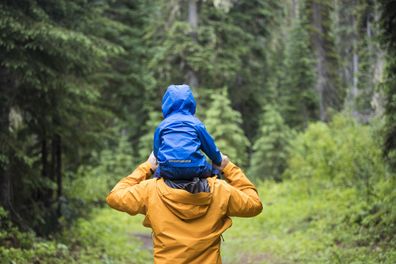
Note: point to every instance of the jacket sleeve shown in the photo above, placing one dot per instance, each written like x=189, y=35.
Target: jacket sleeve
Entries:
x=244, y=200
x=208, y=145
x=156, y=142
x=130, y=193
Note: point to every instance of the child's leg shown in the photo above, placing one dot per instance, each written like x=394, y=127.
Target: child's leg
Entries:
x=181, y=173
x=157, y=173
x=187, y=173
x=209, y=170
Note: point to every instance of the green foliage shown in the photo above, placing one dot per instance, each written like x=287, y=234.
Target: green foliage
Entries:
x=93, y=182
x=346, y=155
x=24, y=247
x=269, y=156
x=224, y=124
x=343, y=152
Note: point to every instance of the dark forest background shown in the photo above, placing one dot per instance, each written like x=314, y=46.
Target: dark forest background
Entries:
x=300, y=93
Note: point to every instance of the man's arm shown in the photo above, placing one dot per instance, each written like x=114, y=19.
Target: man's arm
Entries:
x=208, y=145
x=130, y=193
x=244, y=200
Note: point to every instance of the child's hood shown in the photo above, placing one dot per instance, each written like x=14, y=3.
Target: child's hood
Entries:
x=178, y=99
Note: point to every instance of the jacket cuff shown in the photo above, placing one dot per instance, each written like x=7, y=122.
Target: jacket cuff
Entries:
x=146, y=167
x=227, y=169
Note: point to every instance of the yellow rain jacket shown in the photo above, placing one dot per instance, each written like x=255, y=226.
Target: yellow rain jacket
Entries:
x=186, y=226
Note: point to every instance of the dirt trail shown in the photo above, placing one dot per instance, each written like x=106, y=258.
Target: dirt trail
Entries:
x=146, y=239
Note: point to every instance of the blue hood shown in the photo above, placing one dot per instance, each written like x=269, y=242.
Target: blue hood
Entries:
x=178, y=99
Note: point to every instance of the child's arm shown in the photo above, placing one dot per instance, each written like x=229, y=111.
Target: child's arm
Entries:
x=208, y=145
x=156, y=141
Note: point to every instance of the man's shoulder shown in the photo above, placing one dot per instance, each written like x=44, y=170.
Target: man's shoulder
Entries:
x=219, y=185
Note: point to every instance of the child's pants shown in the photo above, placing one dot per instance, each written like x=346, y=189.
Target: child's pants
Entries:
x=185, y=173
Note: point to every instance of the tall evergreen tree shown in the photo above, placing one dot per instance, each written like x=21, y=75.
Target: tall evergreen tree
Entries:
x=224, y=124
x=360, y=57
x=270, y=149
x=46, y=60
x=127, y=83
x=301, y=103
x=388, y=9
x=330, y=92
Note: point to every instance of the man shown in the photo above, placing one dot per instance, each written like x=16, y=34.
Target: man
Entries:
x=187, y=217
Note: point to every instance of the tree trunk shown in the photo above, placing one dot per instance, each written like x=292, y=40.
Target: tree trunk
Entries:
x=355, y=68
x=193, y=15
x=58, y=169
x=193, y=22
x=57, y=152
x=318, y=45
x=294, y=9
x=44, y=157
x=46, y=194
x=5, y=177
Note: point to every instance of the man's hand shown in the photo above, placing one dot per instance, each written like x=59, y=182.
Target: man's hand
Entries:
x=153, y=161
x=224, y=161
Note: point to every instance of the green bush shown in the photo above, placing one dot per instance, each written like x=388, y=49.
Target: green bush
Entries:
x=25, y=247
x=93, y=182
x=342, y=152
x=345, y=155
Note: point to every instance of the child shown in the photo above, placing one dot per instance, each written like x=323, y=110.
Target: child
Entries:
x=180, y=136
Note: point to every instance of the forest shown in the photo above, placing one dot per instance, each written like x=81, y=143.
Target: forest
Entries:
x=301, y=94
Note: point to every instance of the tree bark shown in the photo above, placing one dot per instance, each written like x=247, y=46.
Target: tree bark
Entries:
x=44, y=157
x=5, y=177
x=193, y=22
x=58, y=169
x=320, y=56
x=294, y=9
x=193, y=15
x=355, y=68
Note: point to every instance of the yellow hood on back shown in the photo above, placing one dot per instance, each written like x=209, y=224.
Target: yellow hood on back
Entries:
x=185, y=205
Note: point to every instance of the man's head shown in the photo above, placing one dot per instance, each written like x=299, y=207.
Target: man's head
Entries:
x=178, y=99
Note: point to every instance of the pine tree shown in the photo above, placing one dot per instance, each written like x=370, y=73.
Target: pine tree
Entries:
x=46, y=59
x=389, y=41
x=330, y=93
x=301, y=103
x=224, y=124
x=270, y=149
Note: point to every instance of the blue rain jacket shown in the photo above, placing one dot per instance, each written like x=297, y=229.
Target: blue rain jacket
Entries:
x=179, y=138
